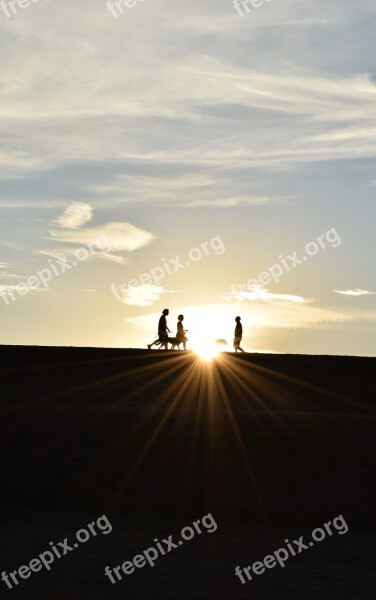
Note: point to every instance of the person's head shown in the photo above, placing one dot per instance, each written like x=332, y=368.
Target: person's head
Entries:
x=181, y=318
x=237, y=319
x=165, y=312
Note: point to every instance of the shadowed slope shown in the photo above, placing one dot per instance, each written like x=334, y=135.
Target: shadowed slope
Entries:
x=260, y=437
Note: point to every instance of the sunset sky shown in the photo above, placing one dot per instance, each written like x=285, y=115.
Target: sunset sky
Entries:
x=178, y=124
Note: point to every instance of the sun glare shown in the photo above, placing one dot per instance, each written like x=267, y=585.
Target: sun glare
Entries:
x=207, y=351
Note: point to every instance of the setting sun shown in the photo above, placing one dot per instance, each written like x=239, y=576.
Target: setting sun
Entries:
x=207, y=350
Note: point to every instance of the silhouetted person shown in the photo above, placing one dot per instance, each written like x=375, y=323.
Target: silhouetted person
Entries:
x=238, y=335
x=180, y=338
x=163, y=331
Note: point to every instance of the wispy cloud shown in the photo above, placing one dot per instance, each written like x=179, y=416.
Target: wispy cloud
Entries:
x=356, y=292
x=6, y=273
x=258, y=293
x=74, y=216
x=280, y=111
x=231, y=202
x=142, y=295
x=6, y=290
x=122, y=237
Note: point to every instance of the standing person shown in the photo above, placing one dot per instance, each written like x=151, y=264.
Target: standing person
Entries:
x=163, y=331
x=238, y=335
x=180, y=335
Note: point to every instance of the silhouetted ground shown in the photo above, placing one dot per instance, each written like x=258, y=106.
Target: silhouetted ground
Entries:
x=272, y=446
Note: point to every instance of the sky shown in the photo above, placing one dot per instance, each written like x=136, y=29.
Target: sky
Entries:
x=181, y=132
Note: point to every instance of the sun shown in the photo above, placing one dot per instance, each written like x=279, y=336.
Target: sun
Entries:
x=204, y=327
x=207, y=351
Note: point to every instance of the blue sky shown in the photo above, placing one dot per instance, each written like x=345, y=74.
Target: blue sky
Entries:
x=171, y=125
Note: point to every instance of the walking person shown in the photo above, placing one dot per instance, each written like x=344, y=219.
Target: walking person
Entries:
x=163, y=331
x=238, y=335
x=180, y=338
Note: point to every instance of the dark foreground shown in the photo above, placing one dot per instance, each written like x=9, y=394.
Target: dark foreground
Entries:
x=271, y=446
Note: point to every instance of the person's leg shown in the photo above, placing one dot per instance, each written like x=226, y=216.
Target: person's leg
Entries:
x=155, y=343
x=159, y=342
x=164, y=343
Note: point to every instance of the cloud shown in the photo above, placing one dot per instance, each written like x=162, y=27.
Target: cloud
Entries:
x=122, y=237
x=287, y=107
x=68, y=252
x=142, y=295
x=258, y=293
x=356, y=292
x=74, y=216
x=8, y=292
x=230, y=202
x=5, y=273
x=107, y=240
x=194, y=190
